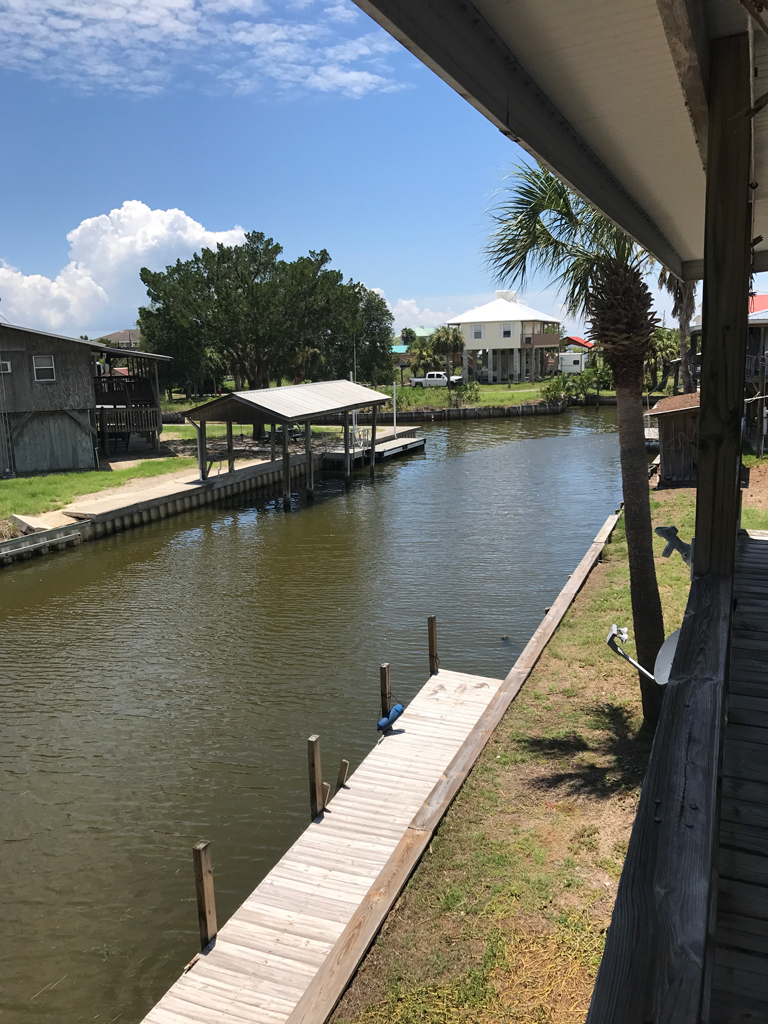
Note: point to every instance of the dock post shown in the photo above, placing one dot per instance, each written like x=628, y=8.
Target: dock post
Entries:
x=347, y=470
x=202, y=451
x=341, y=781
x=206, y=900
x=316, y=802
x=286, y=469
x=386, y=695
x=434, y=661
x=310, y=465
x=272, y=431
x=230, y=448
x=373, y=439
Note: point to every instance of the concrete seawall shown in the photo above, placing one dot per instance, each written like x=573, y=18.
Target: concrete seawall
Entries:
x=148, y=508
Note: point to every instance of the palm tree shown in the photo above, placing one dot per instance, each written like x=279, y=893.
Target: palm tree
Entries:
x=683, y=308
x=445, y=341
x=542, y=226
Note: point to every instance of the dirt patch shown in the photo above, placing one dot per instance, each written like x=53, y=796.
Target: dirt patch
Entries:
x=505, y=917
x=756, y=495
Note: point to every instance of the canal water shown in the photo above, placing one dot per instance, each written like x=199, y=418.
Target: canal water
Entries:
x=158, y=687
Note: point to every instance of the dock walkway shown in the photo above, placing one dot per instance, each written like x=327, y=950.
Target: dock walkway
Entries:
x=740, y=977
x=265, y=957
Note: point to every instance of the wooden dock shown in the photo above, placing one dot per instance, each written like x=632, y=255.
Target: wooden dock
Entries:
x=740, y=976
x=288, y=953
x=265, y=957
x=387, y=447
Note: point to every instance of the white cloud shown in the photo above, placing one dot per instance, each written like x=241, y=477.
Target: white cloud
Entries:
x=99, y=290
x=149, y=45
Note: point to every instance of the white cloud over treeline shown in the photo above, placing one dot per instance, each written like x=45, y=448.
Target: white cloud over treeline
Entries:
x=240, y=46
x=99, y=289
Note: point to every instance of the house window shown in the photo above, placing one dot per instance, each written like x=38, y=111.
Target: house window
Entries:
x=527, y=341
x=44, y=370
x=5, y=366
x=478, y=332
x=506, y=330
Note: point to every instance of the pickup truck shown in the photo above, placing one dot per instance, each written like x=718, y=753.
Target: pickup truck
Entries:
x=434, y=379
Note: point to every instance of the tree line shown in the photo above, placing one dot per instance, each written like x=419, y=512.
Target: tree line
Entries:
x=244, y=312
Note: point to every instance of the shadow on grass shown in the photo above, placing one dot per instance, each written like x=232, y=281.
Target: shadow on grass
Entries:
x=620, y=752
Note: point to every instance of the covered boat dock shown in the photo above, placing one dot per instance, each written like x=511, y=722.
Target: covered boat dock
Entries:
x=288, y=406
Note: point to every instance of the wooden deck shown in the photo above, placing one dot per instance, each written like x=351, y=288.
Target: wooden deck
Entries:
x=266, y=955
x=740, y=976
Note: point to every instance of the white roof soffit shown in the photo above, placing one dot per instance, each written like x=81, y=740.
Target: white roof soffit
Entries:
x=611, y=96
x=295, y=401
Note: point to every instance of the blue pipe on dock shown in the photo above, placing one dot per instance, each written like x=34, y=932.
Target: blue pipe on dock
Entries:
x=387, y=723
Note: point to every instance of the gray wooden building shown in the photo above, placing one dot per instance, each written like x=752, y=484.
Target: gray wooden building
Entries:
x=62, y=399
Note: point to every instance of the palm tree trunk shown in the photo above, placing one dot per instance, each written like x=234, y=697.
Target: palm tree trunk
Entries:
x=644, y=590
x=685, y=330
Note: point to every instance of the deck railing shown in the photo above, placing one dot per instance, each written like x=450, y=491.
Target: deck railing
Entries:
x=139, y=420
x=657, y=961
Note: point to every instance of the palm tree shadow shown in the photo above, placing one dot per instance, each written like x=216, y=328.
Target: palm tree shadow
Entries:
x=622, y=755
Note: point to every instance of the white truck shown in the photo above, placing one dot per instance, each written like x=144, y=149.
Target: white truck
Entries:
x=434, y=379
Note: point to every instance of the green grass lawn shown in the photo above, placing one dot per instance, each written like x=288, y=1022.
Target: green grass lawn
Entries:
x=32, y=495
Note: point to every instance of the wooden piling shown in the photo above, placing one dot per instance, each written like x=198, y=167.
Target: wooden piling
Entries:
x=341, y=781
x=230, y=448
x=316, y=801
x=206, y=900
x=432, y=634
x=286, y=469
x=310, y=467
x=272, y=432
x=202, y=450
x=386, y=696
x=373, y=439
x=347, y=467
x=326, y=794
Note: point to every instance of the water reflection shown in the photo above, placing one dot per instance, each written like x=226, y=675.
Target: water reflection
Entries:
x=158, y=686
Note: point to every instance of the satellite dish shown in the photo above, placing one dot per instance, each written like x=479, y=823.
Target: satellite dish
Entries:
x=665, y=657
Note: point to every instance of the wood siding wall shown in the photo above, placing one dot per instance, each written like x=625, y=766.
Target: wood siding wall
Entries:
x=678, y=447
x=50, y=422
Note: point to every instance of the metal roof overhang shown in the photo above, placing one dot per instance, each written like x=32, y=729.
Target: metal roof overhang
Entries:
x=292, y=404
x=612, y=97
x=110, y=350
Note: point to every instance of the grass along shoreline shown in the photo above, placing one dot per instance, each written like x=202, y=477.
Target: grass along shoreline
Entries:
x=505, y=917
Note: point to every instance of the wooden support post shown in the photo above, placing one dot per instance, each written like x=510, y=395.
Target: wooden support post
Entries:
x=386, y=694
x=432, y=633
x=286, y=469
x=347, y=469
x=310, y=465
x=326, y=794
x=272, y=432
x=206, y=900
x=103, y=433
x=230, y=448
x=725, y=306
x=315, y=777
x=341, y=781
x=761, y=400
x=373, y=439
x=202, y=451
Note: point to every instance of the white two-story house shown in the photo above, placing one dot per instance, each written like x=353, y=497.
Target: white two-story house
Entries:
x=505, y=340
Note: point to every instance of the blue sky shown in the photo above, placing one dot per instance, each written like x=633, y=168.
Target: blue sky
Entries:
x=136, y=133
